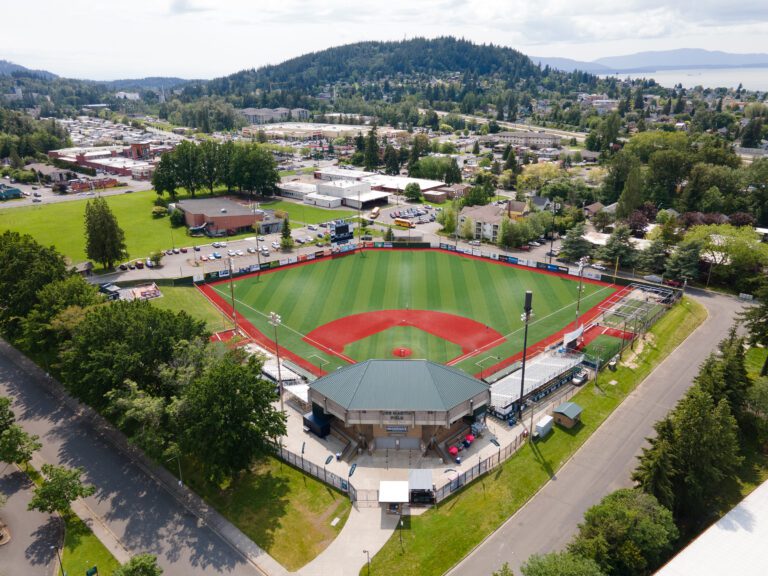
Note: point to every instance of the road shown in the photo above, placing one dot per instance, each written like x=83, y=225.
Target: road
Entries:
x=604, y=464
x=48, y=196
x=34, y=535
x=129, y=503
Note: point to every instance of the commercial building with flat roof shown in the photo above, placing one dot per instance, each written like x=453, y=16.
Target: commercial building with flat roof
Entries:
x=219, y=216
x=405, y=404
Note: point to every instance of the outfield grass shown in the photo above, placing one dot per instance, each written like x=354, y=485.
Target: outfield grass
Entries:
x=420, y=343
x=189, y=299
x=283, y=510
x=303, y=213
x=488, y=292
x=436, y=540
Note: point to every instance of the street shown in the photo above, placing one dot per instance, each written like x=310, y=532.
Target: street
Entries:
x=604, y=464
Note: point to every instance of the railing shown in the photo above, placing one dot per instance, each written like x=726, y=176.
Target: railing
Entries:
x=312, y=469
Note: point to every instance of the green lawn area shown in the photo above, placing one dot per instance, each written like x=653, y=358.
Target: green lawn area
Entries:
x=422, y=345
x=488, y=292
x=302, y=213
x=82, y=550
x=437, y=539
x=755, y=359
x=604, y=346
x=283, y=510
x=189, y=299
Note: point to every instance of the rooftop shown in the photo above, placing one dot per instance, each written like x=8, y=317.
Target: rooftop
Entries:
x=214, y=207
x=409, y=385
x=569, y=409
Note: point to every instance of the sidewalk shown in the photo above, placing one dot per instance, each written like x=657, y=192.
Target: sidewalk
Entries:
x=366, y=529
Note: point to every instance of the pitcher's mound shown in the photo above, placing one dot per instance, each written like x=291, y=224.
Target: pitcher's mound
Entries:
x=401, y=352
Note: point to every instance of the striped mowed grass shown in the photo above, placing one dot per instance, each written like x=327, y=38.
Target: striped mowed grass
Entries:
x=491, y=293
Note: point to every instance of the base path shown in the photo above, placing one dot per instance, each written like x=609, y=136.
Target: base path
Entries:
x=605, y=462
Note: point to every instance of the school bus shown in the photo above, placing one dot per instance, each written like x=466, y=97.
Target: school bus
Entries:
x=404, y=223
x=375, y=213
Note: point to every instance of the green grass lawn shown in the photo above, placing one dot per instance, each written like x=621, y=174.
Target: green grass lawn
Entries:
x=755, y=359
x=302, y=213
x=189, y=299
x=82, y=550
x=422, y=345
x=283, y=510
x=439, y=538
x=491, y=293
x=604, y=346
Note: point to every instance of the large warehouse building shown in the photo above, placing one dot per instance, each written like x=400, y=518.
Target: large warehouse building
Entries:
x=399, y=404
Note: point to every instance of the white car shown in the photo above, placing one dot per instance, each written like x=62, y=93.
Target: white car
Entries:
x=312, y=227
x=599, y=267
x=231, y=253
x=260, y=238
x=239, y=252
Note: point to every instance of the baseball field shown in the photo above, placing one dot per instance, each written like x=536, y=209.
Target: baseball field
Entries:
x=445, y=307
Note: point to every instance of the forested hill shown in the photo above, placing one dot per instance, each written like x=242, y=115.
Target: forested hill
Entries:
x=372, y=61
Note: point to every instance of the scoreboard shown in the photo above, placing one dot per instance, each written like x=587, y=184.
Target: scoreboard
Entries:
x=341, y=232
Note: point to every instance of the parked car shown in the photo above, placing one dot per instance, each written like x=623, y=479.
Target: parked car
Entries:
x=474, y=242
x=239, y=252
x=197, y=248
x=123, y=266
x=598, y=267
x=204, y=258
x=216, y=245
x=184, y=250
x=149, y=263
x=176, y=250
x=311, y=227
x=37, y=199
x=260, y=239
x=580, y=377
x=231, y=253
x=216, y=255
x=673, y=283
x=533, y=243
x=139, y=264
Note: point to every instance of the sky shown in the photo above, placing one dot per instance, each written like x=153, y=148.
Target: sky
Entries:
x=208, y=38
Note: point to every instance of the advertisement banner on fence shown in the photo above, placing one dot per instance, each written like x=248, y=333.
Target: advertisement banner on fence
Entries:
x=283, y=262
x=266, y=265
x=327, y=252
x=274, y=264
x=254, y=268
x=515, y=260
x=450, y=247
x=573, y=271
x=310, y=256
x=223, y=273
x=378, y=244
x=542, y=265
x=198, y=277
x=245, y=270
x=475, y=252
x=592, y=274
x=292, y=260
x=302, y=257
x=494, y=256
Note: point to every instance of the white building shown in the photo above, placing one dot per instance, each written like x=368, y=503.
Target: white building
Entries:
x=296, y=190
x=529, y=139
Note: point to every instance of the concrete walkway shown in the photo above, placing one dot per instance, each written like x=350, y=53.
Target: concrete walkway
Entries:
x=366, y=529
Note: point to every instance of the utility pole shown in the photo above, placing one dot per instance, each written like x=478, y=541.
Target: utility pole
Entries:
x=525, y=317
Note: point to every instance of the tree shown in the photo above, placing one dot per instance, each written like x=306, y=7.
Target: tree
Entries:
x=602, y=220
x=637, y=222
x=724, y=377
x=618, y=171
x=371, y=161
x=468, y=229
x=654, y=258
x=412, y=192
x=684, y=261
x=27, y=268
x=755, y=320
x=17, y=446
x=209, y=164
x=187, y=163
x=139, y=415
x=391, y=161
x=7, y=417
x=389, y=234
x=141, y=565
x=125, y=340
x=560, y=564
x=476, y=147
x=655, y=468
x=505, y=570
x=60, y=487
x=453, y=173
x=104, y=239
x=632, y=196
x=226, y=165
x=226, y=418
x=752, y=135
x=286, y=240
x=627, y=533
x=164, y=178
x=619, y=246
x=574, y=245
x=758, y=406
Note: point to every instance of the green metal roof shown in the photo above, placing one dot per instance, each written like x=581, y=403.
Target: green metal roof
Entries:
x=570, y=410
x=404, y=385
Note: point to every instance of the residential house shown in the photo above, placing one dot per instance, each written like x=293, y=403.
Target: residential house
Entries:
x=487, y=219
x=593, y=209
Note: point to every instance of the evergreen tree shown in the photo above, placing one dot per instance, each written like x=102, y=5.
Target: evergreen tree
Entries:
x=632, y=196
x=684, y=262
x=391, y=161
x=755, y=319
x=510, y=162
x=619, y=246
x=209, y=164
x=655, y=468
x=371, y=161
x=104, y=239
x=453, y=173
x=654, y=258
x=476, y=147
x=574, y=245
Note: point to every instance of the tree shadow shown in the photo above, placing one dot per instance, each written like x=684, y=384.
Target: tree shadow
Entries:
x=540, y=457
x=46, y=539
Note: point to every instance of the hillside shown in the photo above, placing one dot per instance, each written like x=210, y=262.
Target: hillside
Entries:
x=682, y=58
x=371, y=61
x=8, y=68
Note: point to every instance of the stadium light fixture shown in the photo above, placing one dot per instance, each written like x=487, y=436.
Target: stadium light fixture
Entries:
x=276, y=320
x=526, y=317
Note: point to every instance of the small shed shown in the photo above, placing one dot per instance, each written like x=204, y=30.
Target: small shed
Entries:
x=420, y=486
x=568, y=414
x=543, y=426
x=394, y=494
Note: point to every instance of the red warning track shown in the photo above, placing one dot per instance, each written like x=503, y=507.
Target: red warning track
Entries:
x=466, y=333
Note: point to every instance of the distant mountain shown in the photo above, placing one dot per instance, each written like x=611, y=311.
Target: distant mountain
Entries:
x=151, y=83
x=9, y=68
x=568, y=65
x=370, y=61
x=682, y=58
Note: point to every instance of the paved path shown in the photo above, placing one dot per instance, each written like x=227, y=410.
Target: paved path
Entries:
x=548, y=521
x=33, y=534
x=137, y=506
x=366, y=529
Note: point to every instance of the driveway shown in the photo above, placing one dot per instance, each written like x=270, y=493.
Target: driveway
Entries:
x=605, y=462
x=132, y=505
x=33, y=534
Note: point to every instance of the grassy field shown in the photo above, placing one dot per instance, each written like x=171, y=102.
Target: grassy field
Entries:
x=82, y=550
x=189, y=299
x=491, y=293
x=303, y=213
x=284, y=511
x=62, y=224
x=604, y=346
x=437, y=539
x=420, y=343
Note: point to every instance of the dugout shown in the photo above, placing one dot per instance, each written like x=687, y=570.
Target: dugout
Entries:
x=399, y=404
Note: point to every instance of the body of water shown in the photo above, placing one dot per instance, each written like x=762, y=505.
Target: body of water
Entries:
x=750, y=78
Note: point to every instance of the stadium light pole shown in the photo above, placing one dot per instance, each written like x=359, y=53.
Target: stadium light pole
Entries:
x=525, y=317
x=582, y=263
x=276, y=320
x=552, y=232
x=232, y=294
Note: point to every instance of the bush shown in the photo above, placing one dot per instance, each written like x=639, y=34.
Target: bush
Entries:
x=177, y=218
x=159, y=212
